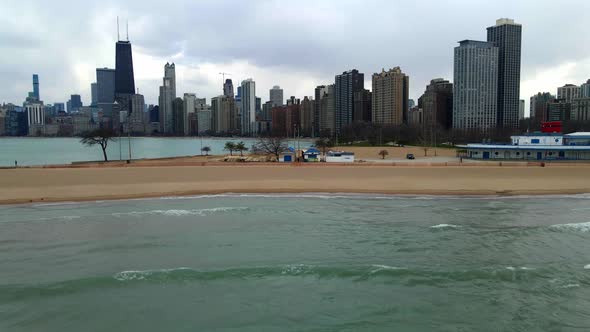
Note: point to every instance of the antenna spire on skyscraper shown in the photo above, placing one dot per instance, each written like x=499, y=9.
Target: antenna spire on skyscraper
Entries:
x=127, y=25
x=118, y=35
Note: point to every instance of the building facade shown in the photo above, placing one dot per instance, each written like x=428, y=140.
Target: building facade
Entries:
x=568, y=92
x=346, y=86
x=166, y=100
x=177, y=117
x=276, y=96
x=307, y=117
x=559, y=110
x=507, y=36
x=585, y=90
x=475, y=90
x=538, y=105
x=581, y=109
x=436, y=104
x=327, y=115
x=190, y=100
x=124, y=77
x=363, y=101
x=36, y=87
x=248, y=109
x=228, y=88
x=390, y=97
x=521, y=110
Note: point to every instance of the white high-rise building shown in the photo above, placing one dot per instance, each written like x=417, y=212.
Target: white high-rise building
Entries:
x=35, y=114
x=475, y=90
x=569, y=92
x=189, y=109
x=248, y=107
x=276, y=96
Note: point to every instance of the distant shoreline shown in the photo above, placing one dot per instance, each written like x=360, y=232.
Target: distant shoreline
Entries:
x=52, y=185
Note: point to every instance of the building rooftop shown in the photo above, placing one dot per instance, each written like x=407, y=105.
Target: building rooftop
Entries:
x=478, y=43
x=578, y=134
x=504, y=21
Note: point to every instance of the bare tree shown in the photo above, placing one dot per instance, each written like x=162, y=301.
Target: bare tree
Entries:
x=100, y=137
x=383, y=153
x=271, y=145
x=324, y=144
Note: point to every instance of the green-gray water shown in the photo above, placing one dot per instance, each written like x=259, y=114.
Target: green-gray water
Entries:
x=297, y=263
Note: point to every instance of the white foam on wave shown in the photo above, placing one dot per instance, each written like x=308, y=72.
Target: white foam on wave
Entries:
x=579, y=227
x=143, y=275
x=181, y=213
x=444, y=226
x=521, y=268
x=587, y=267
x=381, y=267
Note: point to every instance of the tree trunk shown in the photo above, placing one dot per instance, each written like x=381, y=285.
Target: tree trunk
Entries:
x=104, y=152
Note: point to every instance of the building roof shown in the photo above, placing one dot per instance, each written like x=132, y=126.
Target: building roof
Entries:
x=578, y=134
x=525, y=147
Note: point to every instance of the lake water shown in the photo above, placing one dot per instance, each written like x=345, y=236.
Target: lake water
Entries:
x=297, y=263
x=48, y=151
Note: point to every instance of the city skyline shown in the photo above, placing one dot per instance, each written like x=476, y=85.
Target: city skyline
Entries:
x=425, y=56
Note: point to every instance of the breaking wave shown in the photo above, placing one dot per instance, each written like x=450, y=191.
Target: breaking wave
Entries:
x=576, y=227
x=182, y=275
x=181, y=213
x=445, y=226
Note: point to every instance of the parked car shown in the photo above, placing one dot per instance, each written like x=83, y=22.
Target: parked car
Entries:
x=410, y=156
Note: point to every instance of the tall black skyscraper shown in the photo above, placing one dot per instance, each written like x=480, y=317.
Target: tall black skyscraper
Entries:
x=124, y=79
x=347, y=85
x=507, y=36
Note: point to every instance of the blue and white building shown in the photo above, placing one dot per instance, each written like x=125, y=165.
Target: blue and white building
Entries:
x=542, y=147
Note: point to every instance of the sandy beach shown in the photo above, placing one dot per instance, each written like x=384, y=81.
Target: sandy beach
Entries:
x=104, y=183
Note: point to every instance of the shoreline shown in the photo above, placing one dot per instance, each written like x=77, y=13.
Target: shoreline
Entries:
x=285, y=193
x=54, y=185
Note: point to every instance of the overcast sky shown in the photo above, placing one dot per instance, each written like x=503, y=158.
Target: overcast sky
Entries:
x=295, y=44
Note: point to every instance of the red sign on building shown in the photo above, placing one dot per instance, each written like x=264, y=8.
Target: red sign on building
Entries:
x=551, y=127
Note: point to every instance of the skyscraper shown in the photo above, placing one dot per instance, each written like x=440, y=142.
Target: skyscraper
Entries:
x=507, y=36
x=36, y=86
x=105, y=90
x=248, y=107
x=170, y=72
x=307, y=108
x=166, y=99
x=475, y=92
x=347, y=84
x=276, y=96
x=327, y=110
x=190, y=100
x=124, y=78
x=177, y=117
x=390, y=97
x=437, y=104
x=228, y=88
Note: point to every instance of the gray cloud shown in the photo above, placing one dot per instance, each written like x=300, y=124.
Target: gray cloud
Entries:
x=286, y=42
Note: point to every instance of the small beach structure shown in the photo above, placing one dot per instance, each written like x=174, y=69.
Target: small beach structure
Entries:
x=536, y=146
x=311, y=155
x=339, y=157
